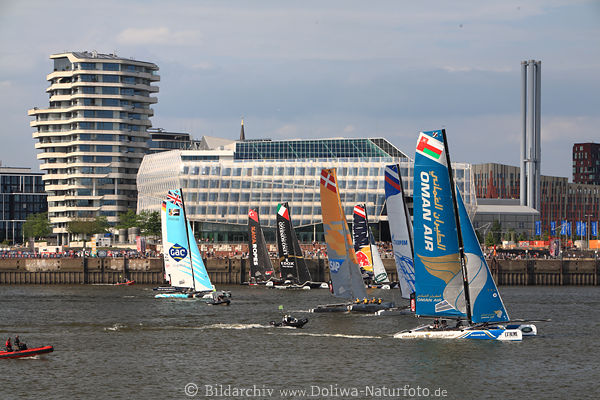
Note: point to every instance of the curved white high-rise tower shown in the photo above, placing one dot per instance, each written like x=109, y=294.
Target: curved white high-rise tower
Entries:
x=93, y=136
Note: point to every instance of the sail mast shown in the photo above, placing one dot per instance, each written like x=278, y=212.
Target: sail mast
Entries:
x=187, y=235
x=461, y=248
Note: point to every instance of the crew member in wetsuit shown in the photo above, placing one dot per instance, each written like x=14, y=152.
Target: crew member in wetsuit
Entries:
x=17, y=343
x=8, y=345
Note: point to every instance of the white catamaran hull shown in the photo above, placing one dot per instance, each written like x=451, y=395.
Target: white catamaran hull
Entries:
x=481, y=334
x=526, y=329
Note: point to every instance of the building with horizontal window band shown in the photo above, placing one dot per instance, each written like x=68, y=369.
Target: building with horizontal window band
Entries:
x=93, y=135
x=223, y=181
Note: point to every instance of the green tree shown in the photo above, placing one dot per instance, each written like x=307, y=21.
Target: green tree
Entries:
x=545, y=236
x=489, y=239
x=512, y=234
x=495, y=230
x=480, y=238
x=37, y=226
x=87, y=227
x=128, y=220
x=150, y=224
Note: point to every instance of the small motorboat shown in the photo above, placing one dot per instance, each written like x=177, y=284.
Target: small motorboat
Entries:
x=219, y=298
x=290, y=321
x=27, y=352
x=126, y=283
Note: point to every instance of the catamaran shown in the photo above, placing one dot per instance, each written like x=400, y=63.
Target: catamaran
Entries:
x=453, y=281
x=261, y=268
x=366, y=250
x=184, y=269
x=346, y=280
x=292, y=267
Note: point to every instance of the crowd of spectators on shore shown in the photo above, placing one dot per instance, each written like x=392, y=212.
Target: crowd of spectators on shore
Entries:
x=311, y=250
x=78, y=254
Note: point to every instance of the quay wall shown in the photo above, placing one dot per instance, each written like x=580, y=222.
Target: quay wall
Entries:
x=532, y=272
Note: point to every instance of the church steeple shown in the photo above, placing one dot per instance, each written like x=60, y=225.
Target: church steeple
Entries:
x=242, y=135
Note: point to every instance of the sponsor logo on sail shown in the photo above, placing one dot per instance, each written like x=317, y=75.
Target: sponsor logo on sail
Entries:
x=254, y=245
x=178, y=252
x=334, y=265
x=174, y=212
x=426, y=208
x=283, y=238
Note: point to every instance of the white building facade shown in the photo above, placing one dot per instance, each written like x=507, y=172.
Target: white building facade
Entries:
x=92, y=137
x=222, y=183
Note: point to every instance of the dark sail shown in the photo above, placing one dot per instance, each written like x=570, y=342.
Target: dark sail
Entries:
x=360, y=227
x=362, y=239
x=291, y=260
x=261, y=268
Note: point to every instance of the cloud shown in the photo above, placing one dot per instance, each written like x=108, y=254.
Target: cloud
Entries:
x=158, y=35
x=569, y=129
x=287, y=131
x=348, y=129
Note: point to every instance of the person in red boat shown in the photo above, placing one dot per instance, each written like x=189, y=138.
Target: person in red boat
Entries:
x=8, y=345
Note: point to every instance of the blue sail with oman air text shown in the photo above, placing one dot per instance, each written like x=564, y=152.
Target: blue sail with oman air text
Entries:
x=438, y=276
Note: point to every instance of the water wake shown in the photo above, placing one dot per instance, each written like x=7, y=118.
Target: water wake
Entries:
x=339, y=335
x=234, y=326
x=115, y=327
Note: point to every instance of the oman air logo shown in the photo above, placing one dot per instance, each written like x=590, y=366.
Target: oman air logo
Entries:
x=177, y=252
x=334, y=265
x=429, y=147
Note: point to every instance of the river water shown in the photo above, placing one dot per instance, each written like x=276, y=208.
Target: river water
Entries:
x=114, y=342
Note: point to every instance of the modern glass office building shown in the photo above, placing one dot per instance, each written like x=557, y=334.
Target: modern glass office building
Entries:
x=22, y=193
x=162, y=140
x=220, y=184
x=93, y=135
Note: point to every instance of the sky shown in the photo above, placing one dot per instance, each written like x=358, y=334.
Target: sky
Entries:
x=317, y=69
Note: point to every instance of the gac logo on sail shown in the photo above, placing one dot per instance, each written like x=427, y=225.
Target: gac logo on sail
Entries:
x=177, y=252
